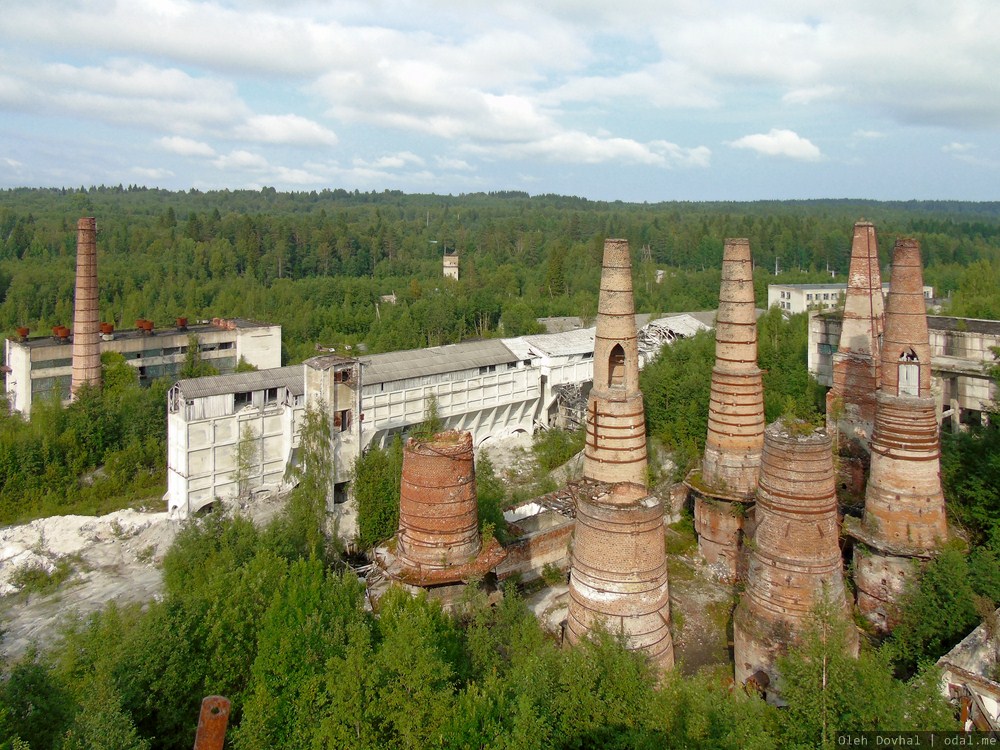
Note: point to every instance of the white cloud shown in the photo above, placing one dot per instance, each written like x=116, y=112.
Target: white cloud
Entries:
x=295, y=176
x=575, y=147
x=666, y=84
x=451, y=164
x=288, y=129
x=564, y=81
x=957, y=148
x=185, y=146
x=391, y=161
x=968, y=153
x=778, y=142
x=151, y=173
x=12, y=163
x=811, y=94
x=124, y=92
x=241, y=160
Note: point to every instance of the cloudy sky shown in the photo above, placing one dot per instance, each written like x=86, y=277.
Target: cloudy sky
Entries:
x=638, y=100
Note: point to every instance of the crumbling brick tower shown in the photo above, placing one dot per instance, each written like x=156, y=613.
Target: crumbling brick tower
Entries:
x=795, y=557
x=850, y=403
x=904, y=518
x=735, y=418
x=438, y=507
x=86, y=311
x=615, y=448
x=618, y=578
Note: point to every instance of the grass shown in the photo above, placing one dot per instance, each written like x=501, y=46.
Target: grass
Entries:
x=95, y=500
x=680, y=536
x=678, y=570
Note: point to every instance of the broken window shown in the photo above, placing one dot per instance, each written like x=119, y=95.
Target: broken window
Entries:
x=342, y=420
x=909, y=374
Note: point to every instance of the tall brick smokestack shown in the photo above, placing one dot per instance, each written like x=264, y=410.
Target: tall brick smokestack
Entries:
x=795, y=559
x=735, y=436
x=438, y=507
x=856, y=366
x=615, y=449
x=86, y=312
x=618, y=575
x=736, y=409
x=904, y=517
x=619, y=571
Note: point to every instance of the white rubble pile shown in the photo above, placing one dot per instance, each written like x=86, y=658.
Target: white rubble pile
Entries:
x=123, y=537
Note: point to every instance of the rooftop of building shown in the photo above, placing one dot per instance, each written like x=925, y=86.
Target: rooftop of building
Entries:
x=940, y=323
x=970, y=325
x=836, y=285
x=291, y=377
x=435, y=360
x=125, y=334
x=576, y=341
x=572, y=323
x=976, y=655
x=329, y=361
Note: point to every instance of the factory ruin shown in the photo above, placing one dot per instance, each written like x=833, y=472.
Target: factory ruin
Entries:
x=765, y=498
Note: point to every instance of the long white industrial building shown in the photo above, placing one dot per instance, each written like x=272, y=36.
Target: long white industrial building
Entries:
x=239, y=434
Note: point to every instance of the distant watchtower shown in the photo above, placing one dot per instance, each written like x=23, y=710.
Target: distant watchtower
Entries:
x=451, y=263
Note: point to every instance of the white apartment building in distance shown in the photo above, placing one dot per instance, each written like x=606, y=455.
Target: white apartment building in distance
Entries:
x=798, y=298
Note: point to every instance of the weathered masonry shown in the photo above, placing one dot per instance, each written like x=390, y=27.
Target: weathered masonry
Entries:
x=618, y=576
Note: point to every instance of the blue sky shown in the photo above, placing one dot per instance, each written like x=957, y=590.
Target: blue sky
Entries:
x=642, y=100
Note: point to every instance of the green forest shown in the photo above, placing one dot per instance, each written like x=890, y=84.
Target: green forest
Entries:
x=273, y=618
x=317, y=263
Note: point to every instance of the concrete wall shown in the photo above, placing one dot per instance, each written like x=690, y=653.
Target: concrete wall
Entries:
x=202, y=443
x=960, y=349
x=490, y=404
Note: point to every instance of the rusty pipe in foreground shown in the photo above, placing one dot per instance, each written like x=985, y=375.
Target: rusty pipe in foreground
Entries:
x=212, y=723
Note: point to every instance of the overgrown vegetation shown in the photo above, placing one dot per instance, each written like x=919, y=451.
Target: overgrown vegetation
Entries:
x=261, y=616
x=677, y=385
x=104, y=451
x=317, y=263
x=377, y=474
x=270, y=618
x=554, y=447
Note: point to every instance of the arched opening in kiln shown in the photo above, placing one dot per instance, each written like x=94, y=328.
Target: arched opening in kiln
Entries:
x=616, y=366
x=909, y=374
